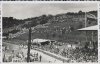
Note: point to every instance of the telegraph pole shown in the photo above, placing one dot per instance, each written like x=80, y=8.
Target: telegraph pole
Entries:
x=85, y=19
x=29, y=45
x=86, y=24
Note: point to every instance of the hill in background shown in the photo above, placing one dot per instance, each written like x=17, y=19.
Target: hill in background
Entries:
x=61, y=27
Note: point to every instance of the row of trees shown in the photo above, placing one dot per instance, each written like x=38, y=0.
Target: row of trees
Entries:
x=69, y=23
x=10, y=21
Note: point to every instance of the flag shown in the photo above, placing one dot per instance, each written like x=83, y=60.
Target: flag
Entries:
x=91, y=16
x=90, y=19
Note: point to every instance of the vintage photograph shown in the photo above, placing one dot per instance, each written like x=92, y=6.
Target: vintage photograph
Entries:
x=50, y=32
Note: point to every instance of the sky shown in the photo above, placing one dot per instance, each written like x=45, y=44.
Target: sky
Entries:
x=26, y=10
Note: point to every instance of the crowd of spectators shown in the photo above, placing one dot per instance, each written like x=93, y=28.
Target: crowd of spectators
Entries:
x=75, y=54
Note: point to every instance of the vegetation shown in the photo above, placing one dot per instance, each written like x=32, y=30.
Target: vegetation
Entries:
x=61, y=27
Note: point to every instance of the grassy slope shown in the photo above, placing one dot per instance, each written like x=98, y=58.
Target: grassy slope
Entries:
x=51, y=29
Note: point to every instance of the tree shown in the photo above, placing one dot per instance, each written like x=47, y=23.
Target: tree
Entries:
x=80, y=25
x=53, y=35
x=63, y=31
x=86, y=45
x=43, y=19
x=80, y=12
x=71, y=28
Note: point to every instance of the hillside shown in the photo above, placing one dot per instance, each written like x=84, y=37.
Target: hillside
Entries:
x=61, y=27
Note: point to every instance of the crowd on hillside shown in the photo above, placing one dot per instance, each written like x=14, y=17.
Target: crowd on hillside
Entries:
x=74, y=53
x=19, y=55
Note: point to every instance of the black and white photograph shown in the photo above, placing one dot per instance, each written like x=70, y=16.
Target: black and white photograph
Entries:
x=50, y=32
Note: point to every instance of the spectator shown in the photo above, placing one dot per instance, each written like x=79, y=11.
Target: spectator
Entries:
x=40, y=58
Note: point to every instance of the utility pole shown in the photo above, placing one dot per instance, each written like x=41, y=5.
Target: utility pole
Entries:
x=86, y=24
x=29, y=45
x=85, y=19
